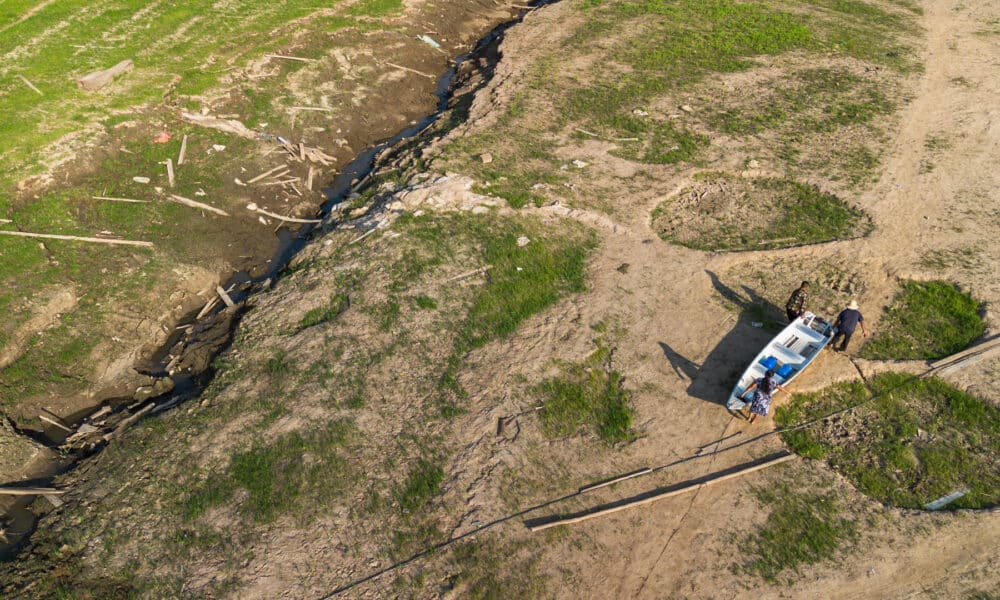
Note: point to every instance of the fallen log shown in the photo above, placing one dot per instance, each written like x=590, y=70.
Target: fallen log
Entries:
x=74, y=238
x=193, y=204
x=99, y=79
x=675, y=492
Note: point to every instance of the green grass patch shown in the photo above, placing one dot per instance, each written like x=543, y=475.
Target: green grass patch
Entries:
x=329, y=312
x=425, y=302
x=723, y=212
x=915, y=440
x=277, y=478
x=489, y=570
x=422, y=484
x=587, y=396
x=926, y=320
x=801, y=529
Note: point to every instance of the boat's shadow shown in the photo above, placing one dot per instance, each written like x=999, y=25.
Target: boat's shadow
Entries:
x=714, y=377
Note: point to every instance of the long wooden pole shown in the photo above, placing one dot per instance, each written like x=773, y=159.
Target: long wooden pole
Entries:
x=28, y=491
x=689, y=488
x=74, y=238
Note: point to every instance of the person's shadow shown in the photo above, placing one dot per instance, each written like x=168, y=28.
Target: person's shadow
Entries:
x=714, y=378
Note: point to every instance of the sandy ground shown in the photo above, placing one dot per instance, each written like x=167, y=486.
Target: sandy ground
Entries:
x=685, y=345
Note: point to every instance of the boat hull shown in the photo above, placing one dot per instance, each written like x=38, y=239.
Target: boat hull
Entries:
x=789, y=353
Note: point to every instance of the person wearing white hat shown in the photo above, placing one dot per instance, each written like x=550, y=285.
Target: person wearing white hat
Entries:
x=846, y=322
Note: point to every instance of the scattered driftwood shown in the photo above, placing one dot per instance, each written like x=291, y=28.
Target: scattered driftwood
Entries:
x=469, y=274
x=409, y=70
x=170, y=172
x=363, y=236
x=74, y=238
x=309, y=180
x=286, y=57
x=99, y=79
x=225, y=297
x=314, y=108
x=54, y=500
x=675, y=492
x=184, y=147
x=194, y=204
x=31, y=85
x=111, y=199
x=125, y=424
x=28, y=491
x=227, y=125
x=55, y=423
x=266, y=173
x=6, y=221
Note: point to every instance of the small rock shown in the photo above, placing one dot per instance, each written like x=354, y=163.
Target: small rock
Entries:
x=623, y=268
x=640, y=113
x=523, y=241
x=141, y=179
x=753, y=164
x=218, y=147
x=579, y=164
x=687, y=108
x=486, y=157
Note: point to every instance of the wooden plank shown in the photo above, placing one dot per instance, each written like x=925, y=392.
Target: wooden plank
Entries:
x=469, y=274
x=99, y=79
x=984, y=345
x=29, y=84
x=112, y=199
x=28, y=491
x=597, y=486
x=309, y=180
x=225, y=297
x=75, y=238
x=201, y=205
x=313, y=108
x=254, y=208
x=969, y=360
x=266, y=173
x=409, y=70
x=286, y=57
x=651, y=499
x=170, y=172
x=180, y=155
x=55, y=423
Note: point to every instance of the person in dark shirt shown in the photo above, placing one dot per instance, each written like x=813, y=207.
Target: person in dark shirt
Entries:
x=847, y=321
x=796, y=304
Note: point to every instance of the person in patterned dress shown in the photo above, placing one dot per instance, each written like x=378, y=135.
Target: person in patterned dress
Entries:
x=762, y=389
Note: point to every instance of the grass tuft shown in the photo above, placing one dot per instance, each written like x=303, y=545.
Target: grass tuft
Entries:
x=802, y=529
x=926, y=320
x=588, y=395
x=914, y=441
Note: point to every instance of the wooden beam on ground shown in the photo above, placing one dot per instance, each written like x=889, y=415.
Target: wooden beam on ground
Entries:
x=309, y=180
x=111, y=199
x=314, y=108
x=201, y=205
x=266, y=173
x=469, y=274
x=75, y=238
x=184, y=147
x=984, y=345
x=676, y=492
x=286, y=57
x=409, y=70
x=170, y=172
x=31, y=85
x=28, y=491
x=55, y=423
x=225, y=296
